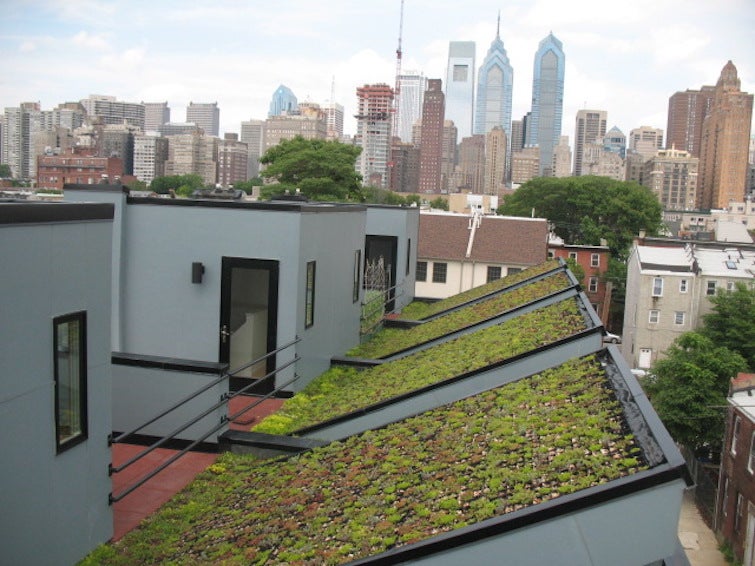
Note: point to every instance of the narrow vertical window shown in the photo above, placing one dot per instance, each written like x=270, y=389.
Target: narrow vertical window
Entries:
x=751, y=459
x=357, y=268
x=683, y=286
x=439, y=272
x=593, y=285
x=657, y=286
x=654, y=316
x=309, y=312
x=595, y=260
x=408, y=255
x=735, y=434
x=679, y=318
x=710, y=288
x=69, y=368
x=421, y=274
x=725, y=498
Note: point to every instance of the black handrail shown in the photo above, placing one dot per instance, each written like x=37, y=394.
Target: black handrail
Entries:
x=199, y=391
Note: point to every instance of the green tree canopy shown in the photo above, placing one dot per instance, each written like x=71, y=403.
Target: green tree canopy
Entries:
x=183, y=185
x=376, y=195
x=732, y=322
x=583, y=210
x=248, y=186
x=321, y=170
x=688, y=389
x=439, y=203
x=5, y=171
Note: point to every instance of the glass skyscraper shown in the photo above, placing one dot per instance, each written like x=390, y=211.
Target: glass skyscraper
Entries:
x=544, y=127
x=460, y=86
x=495, y=87
x=284, y=101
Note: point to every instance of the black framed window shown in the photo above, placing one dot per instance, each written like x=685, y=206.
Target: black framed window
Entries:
x=309, y=299
x=357, y=267
x=70, y=377
x=494, y=272
x=421, y=271
x=439, y=272
x=408, y=255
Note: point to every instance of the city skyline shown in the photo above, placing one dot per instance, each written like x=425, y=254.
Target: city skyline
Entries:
x=628, y=62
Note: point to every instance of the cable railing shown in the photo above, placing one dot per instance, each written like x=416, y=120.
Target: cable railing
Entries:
x=223, y=420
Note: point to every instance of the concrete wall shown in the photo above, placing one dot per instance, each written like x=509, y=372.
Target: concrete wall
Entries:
x=54, y=506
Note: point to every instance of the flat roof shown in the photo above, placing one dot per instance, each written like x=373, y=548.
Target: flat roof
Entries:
x=665, y=259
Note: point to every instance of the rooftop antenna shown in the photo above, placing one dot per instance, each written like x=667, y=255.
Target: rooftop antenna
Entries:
x=498, y=26
x=397, y=90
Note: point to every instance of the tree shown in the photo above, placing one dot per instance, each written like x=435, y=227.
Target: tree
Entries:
x=376, y=195
x=5, y=172
x=688, y=389
x=321, y=170
x=577, y=270
x=183, y=185
x=732, y=322
x=248, y=186
x=584, y=210
x=439, y=204
x=137, y=185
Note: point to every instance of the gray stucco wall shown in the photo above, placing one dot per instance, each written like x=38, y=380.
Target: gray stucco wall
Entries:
x=54, y=507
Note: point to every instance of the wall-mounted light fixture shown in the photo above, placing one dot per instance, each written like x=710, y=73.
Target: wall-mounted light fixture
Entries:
x=197, y=270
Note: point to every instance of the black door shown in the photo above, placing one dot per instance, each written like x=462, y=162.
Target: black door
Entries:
x=386, y=247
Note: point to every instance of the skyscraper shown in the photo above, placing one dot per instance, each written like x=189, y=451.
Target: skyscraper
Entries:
x=544, y=125
x=686, y=112
x=283, y=102
x=646, y=140
x=374, y=103
x=471, y=170
x=495, y=87
x=431, y=147
x=672, y=176
x=413, y=86
x=206, y=115
x=111, y=111
x=495, y=161
x=460, y=86
x=725, y=143
x=615, y=141
x=253, y=135
x=590, y=128
x=155, y=115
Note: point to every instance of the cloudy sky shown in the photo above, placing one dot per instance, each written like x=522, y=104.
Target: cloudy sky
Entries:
x=623, y=57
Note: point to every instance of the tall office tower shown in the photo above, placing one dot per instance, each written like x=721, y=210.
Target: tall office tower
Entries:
x=108, y=110
x=495, y=161
x=686, y=112
x=155, y=115
x=562, y=158
x=590, y=128
x=21, y=123
x=525, y=164
x=206, y=115
x=646, y=140
x=278, y=128
x=118, y=141
x=495, y=89
x=672, y=176
x=232, y=160
x=544, y=125
x=725, y=143
x=334, y=120
x=374, y=104
x=615, y=141
x=150, y=155
x=404, y=169
x=517, y=135
x=283, y=102
x=431, y=147
x=253, y=135
x=471, y=165
x=448, y=155
x=195, y=153
x=413, y=86
x=460, y=85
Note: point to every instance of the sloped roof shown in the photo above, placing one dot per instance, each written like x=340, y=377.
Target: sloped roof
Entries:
x=499, y=239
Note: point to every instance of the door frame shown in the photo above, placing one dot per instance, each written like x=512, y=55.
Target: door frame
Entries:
x=392, y=241
x=224, y=347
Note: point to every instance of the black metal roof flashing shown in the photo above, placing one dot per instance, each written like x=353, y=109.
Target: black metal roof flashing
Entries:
x=38, y=212
x=100, y=187
x=279, y=206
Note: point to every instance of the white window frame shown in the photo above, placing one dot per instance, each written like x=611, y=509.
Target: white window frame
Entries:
x=683, y=285
x=573, y=255
x=710, y=288
x=677, y=316
x=592, y=286
x=595, y=260
x=725, y=498
x=735, y=434
x=657, y=286
x=657, y=316
x=751, y=459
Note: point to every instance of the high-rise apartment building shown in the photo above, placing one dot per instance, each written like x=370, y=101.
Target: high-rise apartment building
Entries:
x=284, y=127
x=672, y=176
x=19, y=148
x=495, y=161
x=253, y=135
x=460, y=85
x=471, y=169
x=374, y=104
x=646, y=140
x=495, y=89
x=334, y=120
x=517, y=135
x=404, y=169
x=108, y=110
x=118, y=141
x=431, y=147
x=70, y=115
x=206, y=115
x=590, y=128
x=544, y=125
x=283, y=102
x=195, y=153
x=155, y=115
x=562, y=158
x=178, y=128
x=686, y=112
x=412, y=85
x=725, y=143
x=525, y=164
x=150, y=155
x=232, y=160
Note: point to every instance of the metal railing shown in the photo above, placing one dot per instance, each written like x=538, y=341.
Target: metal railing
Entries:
x=223, y=420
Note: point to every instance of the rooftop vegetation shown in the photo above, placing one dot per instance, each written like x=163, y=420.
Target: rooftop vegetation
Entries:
x=418, y=310
x=342, y=390
x=390, y=340
x=530, y=441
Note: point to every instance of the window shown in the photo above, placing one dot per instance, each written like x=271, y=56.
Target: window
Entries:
x=408, y=255
x=357, y=267
x=460, y=73
x=494, y=272
x=439, y=272
x=551, y=255
x=69, y=366
x=711, y=288
x=573, y=255
x=738, y=513
x=592, y=286
x=751, y=460
x=595, y=260
x=678, y=317
x=683, y=285
x=654, y=316
x=657, y=286
x=309, y=297
x=735, y=434
x=725, y=498
x=730, y=285
x=512, y=270
x=421, y=271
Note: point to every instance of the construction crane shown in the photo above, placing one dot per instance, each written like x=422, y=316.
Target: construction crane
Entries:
x=397, y=90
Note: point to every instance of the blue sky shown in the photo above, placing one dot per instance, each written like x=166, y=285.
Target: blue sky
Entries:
x=626, y=58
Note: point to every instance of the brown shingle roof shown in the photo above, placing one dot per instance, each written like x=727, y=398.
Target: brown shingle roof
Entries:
x=499, y=239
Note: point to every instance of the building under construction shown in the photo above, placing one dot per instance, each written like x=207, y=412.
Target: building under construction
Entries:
x=374, y=118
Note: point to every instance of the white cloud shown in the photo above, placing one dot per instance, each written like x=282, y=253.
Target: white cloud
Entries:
x=27, y=46
x=89, y=41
